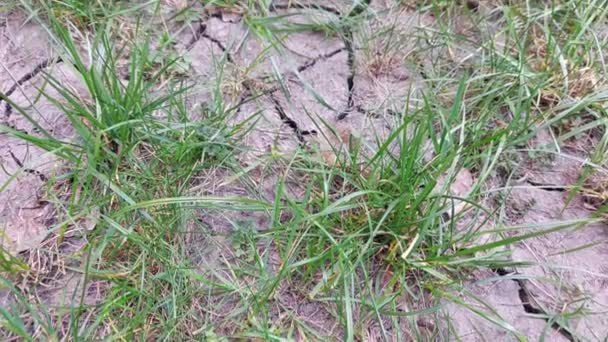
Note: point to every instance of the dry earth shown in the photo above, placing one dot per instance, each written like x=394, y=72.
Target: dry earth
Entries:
x=362, y=94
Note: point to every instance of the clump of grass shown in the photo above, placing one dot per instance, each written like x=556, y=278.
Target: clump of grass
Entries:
x=82, y=14
x=134, y=144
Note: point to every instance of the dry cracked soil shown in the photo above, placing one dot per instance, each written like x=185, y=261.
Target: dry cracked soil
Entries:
x=361, y=94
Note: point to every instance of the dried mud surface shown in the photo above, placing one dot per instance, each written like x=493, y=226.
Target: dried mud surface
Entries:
x=361, y=95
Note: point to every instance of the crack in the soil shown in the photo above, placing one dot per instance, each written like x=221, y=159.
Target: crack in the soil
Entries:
x=201, y=32
x=219, y=16
x=289, y=121
x=472, y=5
x=13, y=127
x=360, y=7
x=526, y=301
x=547, y=187
x=374, y=114
x=279, y=109
x=202, y=27
x=8, y=109
x=36, y=173
x=314, y=60
x=290, y=5
x=220, y=45
x=303, y=67
x=350, y=79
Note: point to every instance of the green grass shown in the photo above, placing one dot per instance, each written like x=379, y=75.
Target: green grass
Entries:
x=373, y=240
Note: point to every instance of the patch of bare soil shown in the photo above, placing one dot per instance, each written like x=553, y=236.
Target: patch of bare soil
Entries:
x=499, y=300
x=562, y=296
x=569, y=278
x=24, y=215
x=27, y=201
x=316, y=81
